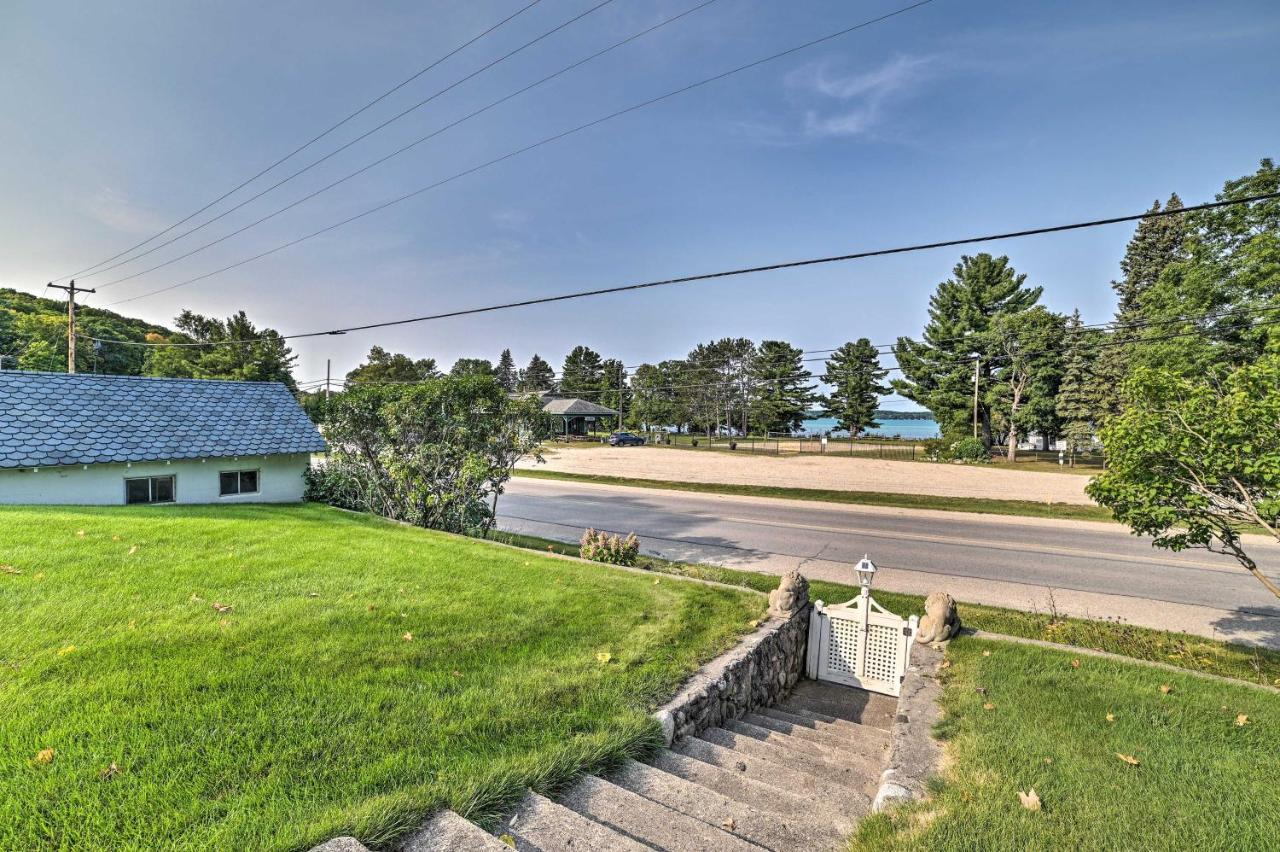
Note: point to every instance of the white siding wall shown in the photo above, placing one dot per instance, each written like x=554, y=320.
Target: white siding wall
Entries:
x=279, y=481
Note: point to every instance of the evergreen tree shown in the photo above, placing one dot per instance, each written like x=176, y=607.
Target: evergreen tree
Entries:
x=381, y=366
x=471, y=367
x=1230, y=271
x=718, y=376
x=506, y=372
x=1155, y=244
x=583, y=373
x=538, y=376
x=1081, y=403
x=782, y=397
x=938, y=371
x=854, y=374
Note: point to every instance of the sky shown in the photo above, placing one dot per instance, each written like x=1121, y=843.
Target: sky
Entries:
x=953, y=119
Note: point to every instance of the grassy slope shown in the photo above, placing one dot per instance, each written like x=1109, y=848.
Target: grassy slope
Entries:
x=1204, y=782
x=1180, y=649
x=304, y=712
x=869, y=498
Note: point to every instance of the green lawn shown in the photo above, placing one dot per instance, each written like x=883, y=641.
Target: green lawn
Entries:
x=979, y=505
x=1257, y=665
x=1024, y=718
x=362, y=674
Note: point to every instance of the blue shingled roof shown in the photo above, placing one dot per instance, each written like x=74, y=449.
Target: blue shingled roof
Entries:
x=53, y=418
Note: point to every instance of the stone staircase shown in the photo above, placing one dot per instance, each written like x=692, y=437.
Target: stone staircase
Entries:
x=797, y=776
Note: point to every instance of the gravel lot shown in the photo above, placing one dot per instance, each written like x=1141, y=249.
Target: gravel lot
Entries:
x=813, y=471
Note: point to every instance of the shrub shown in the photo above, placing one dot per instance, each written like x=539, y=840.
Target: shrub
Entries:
x=971, y=450
x=694, y=442
x=599, y=546
x=937, y=449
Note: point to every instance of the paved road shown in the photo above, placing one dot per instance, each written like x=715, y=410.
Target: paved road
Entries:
x=1093, y=569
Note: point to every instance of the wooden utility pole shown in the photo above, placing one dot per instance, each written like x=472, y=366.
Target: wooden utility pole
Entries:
x=976, y=362
x=71, y=289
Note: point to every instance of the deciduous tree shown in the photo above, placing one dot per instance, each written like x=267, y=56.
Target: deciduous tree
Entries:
x=383, y=366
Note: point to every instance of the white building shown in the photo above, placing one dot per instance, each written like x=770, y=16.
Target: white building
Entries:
x=111, y=440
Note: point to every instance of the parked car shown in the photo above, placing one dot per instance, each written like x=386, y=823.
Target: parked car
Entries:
x=625, y=439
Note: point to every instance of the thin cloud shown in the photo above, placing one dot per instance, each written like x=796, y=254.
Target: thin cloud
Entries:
x=113, y=209
x=855, y=104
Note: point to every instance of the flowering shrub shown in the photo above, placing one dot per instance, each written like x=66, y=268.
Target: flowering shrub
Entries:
x=599, y=546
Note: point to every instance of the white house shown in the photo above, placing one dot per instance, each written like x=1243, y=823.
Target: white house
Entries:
x=112, y=440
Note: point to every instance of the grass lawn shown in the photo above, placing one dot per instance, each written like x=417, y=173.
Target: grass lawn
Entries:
x=1257, y=665
x=979, y=505
x=1024, y=718
x=253, y=677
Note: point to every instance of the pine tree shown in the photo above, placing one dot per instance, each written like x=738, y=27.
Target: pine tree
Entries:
x=537, y=376
x=614, y=392
x=938, y=371
x=506, y=373
x=583, y=373
x=782, y=397
x=854, y=374
x=1080, y=403
x=1155, y=244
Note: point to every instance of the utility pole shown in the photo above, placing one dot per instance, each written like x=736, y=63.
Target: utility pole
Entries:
x=71, y=289
x=976, y=362
x=327, y=363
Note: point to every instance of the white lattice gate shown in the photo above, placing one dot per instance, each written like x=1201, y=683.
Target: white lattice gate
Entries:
x=860, y=643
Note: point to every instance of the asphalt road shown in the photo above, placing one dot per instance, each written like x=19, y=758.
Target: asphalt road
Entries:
x=1093, y=569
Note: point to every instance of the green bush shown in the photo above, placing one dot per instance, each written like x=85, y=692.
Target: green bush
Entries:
x=970, y=450
x=599, y=546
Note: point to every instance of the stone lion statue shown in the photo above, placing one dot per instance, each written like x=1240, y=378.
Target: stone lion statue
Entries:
x=791, y=596
x=940, y=622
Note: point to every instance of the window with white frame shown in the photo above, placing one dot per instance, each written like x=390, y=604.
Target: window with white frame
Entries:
x=149, y=489
x=233, y=482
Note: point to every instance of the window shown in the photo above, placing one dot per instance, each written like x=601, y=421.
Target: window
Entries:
x=149, y=489
x=231, y=482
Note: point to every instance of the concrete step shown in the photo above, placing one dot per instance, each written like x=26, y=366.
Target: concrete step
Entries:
x=816, y=721
x=757, y=795
x=842, y=754
x=763, y=827
x=540, y=825
x=845, y=702
x=648, y=821
x=448, y=832
x=847, y=799
x=855, y=777
x=857, y=739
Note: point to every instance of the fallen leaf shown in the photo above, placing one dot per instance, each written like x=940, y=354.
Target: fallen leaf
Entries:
x=1111, y=717
x=225, y=622
x=408, y=637
x=39, y=575
x=1029, y=799
x=313, y=594
x=196, y=598
x=80, y=533
x=1129, y=759
x=115, y=538
x=604, y=656
x=945, y=664
x=133, y=624
x=221, y=607
x=132, y=550
x=62, y=652
x=981, y=690
x=1075, y=664
x=371, y=607
x=44, y=755
x=1166, y=688
x=508, y=839
x=986, y=653
x=9, y=569
x=110, y=772
x=1048, y=760
x=988, y=706
x=1242, y=720
x=457, y=673
x=656, y=582
x=755, y=622
x=728, y=824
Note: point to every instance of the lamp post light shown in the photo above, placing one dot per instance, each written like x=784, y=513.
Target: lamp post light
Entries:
x=866, y=570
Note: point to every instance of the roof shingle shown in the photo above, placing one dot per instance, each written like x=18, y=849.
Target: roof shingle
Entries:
x=51, y=419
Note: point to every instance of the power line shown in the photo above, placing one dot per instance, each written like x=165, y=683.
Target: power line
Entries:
x=582, y=294
x=314, y=139
x=517, y=152
x=359, y=138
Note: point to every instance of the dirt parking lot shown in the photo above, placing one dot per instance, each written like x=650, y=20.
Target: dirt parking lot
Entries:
x=814, y=471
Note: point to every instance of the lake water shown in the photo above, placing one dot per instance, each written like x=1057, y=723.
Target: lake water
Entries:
x=888, y=428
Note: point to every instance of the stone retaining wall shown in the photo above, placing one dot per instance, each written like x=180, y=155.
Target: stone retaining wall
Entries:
x=758, y=672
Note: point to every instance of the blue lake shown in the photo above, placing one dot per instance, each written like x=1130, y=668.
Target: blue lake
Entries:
x=888, y=428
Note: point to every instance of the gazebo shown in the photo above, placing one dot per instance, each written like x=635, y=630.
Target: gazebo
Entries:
x=576, y=416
